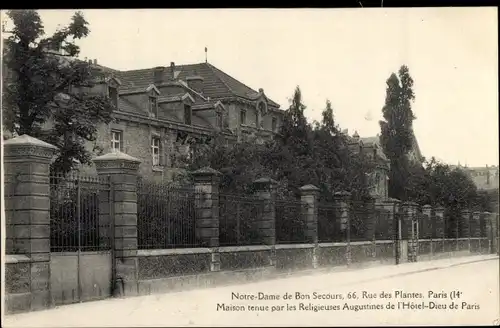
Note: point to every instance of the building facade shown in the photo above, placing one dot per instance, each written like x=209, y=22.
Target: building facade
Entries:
x=164, y=112
x=378, y=179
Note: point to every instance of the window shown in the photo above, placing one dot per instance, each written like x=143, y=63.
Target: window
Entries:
x=257, y=118
x=274, y=125
x=187, y=114
x=113, y=95
x=219, y=120
x=116, y=141
x=153, y=106
x=243, y=117
x=155, y=150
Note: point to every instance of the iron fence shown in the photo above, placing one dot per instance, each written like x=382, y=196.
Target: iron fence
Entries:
x=332, y=223
x=239, y=220
x=384, y=225
x=290, y=222
x=76, y=221
x=166, y=216
x=425, y=228
x=361, y=227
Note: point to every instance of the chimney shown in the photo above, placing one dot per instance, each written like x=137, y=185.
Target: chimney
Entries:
x=95, y=61
x=90, y=61
x=158, y=74
x=172, y=70
x=195, y=82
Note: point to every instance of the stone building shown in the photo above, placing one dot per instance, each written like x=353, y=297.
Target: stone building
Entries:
x=485, y=178
x=378, y=179
x=164, y=112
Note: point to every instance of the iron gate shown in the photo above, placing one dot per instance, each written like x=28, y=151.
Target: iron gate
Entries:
x=81, y=266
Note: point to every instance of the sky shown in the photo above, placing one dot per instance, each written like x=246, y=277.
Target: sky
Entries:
x=344, y=55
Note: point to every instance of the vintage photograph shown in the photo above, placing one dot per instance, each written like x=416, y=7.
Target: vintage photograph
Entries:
x=250, y=167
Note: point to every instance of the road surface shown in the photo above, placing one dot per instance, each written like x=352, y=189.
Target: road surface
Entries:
x=473, y=287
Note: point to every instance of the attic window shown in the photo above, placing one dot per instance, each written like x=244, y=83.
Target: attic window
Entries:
x=187, y=114
x=113, y=95
x=243, y=117
x=153, y=106
x=219, y=120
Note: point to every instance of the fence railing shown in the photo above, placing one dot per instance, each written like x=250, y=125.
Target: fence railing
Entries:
x=239, y=217
x=166, y=217
x=81, y=207
x=332, y=223
x=76, y=221
x=290, y=222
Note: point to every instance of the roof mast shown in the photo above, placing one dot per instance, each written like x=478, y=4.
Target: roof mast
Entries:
x=206, y=55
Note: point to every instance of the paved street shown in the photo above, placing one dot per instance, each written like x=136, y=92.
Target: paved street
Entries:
x=474, y=287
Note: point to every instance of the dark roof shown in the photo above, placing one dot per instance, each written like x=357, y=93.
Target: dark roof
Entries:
x=216, y=83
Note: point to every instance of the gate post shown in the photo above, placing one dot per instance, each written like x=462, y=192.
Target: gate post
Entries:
x=426, y=218
x=265, y=189
x=27, y=213
x=491, y=225
x=392, y=206
x=122, y=170
x=464, y=227
x=309, y=197
x=341, y=199
x=409, y=231
x=439, y=226
x=206, y=185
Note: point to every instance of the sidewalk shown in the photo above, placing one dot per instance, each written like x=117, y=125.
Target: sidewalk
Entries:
x=104, y=313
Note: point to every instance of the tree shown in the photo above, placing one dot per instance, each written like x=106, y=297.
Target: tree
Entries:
x=397, y=130
x=297, y=156
x=47, y=93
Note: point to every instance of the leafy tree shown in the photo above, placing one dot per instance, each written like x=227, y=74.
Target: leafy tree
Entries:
x=47, y=91
x=397, y=130
x=297, y=156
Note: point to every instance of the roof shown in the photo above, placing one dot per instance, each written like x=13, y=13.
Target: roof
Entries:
x=368, y=141
x=216, y=83
x=371, y=140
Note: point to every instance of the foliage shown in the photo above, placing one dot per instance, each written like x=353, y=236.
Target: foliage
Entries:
x=397, y=130
x=300, y=154
x=47, y=91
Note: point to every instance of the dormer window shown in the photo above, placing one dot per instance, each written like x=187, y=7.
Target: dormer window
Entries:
x=243, y=117
x=187, y=114
x=113, y=95
x=219, y=120
x=274, y=124
x=153, y=106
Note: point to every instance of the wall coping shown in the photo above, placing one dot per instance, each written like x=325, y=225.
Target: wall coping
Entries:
x=293, y=246
x=16, y=258
x=173, y=251
x=248, y=248
x=26, y=140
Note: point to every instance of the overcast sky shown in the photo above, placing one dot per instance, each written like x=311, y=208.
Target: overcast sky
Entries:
x=345, y=55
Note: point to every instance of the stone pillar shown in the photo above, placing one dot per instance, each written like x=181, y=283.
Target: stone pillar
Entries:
x=342, y=203
x=27, y=213
x=476, y=228
x=491, y=228
x=309, y=195
x=392, y=206
x=426, y=225
x=122, y=172
x=206, y=184
x=438, y=225
x=265, y=188
x=410, y=229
